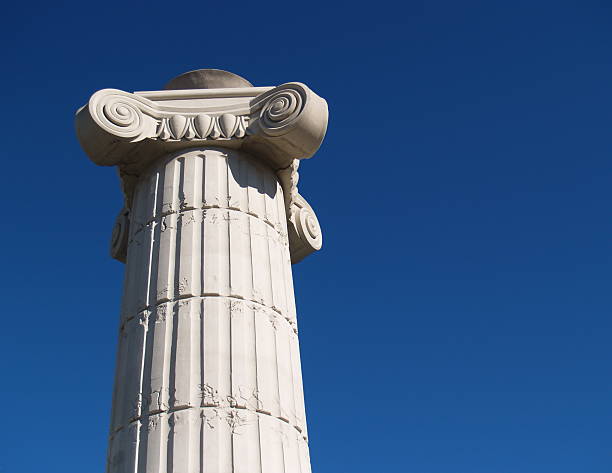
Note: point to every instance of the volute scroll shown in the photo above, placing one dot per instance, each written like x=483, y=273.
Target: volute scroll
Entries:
x=130, y=130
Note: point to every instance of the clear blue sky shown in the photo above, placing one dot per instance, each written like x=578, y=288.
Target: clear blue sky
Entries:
x=458, y=319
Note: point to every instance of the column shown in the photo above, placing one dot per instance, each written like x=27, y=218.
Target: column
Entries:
x=208, y=375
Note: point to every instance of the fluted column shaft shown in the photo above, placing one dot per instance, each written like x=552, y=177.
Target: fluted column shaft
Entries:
x=208, y=367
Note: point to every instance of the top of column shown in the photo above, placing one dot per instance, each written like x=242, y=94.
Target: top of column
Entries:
x=206, y=107
x=209, y=107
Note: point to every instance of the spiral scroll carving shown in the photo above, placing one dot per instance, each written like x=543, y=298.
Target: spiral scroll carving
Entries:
x=304, y=231
x=280, y=111
x=121, y=114
x=307, y=225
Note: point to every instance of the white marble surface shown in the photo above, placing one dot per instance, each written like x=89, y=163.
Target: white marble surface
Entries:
x=208, y=366
x=208, y=376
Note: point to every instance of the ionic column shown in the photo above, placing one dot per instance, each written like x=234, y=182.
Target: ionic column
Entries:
x=208, y=372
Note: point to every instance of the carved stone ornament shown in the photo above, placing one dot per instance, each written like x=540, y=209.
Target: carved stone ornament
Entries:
x=304, y=230
x=277, y=125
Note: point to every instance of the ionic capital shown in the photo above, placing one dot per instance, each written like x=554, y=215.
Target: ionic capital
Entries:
x=275, y=124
